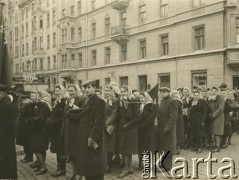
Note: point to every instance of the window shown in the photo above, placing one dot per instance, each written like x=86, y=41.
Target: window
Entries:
x=26, y=29
x=22, y=31
x=164, y=80
x=63, y=13
x=27, y=49
x=48, y=41
x=16, y=51
x=198, y=3
x=199, y=79
x=72, y=60
x=48, y=20
x=79, y=7
x=72, y=34
x=163, y=8
x=41, y=64
x=80, y=59
x=35, y=43
x=93, y=4
x=16, y=68
x=22, y=49
x=94, y=57
x=124, y=52
x=22, y=14
x=142, y=83
x=73, y=10
x=142, y=46
x=164, y=45
x=54, y=16
x=142, y=14
x=23, y=67
x=41, y=22
x=199, y=38
x=237, y=29
x=64, y=61
x=107, y=55
x=123, y=18
x=64, y=34
x=48, y=63
x=16, y=33
x=33, y=7
x=34, y=20
x=54, y=40
x=54, y=62
x=26, y=11
x=124, y=81
x=41, y=42
x=80, y=34
x=107, y=25
x=107, y=81
x=93, y=26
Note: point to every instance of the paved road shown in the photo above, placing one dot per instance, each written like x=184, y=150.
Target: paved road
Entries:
x=26, y=173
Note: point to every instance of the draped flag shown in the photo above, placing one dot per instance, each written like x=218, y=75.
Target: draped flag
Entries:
x=5, y=69
x=154, y=93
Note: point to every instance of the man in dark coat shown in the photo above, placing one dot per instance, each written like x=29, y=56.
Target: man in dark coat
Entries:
x=8, y=162
x=167, y=117
x=91, y=156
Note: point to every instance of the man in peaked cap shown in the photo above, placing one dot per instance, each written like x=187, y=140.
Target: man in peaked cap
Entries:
x=223, y=85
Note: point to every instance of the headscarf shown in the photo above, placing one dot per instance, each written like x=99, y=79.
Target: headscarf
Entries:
x=62, y=94
x=124, y=100
x=46, y=97
x=114, y=86
x=148, y=100
x=175, y=95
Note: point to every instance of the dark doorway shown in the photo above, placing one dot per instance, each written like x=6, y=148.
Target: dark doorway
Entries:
x=235, y=82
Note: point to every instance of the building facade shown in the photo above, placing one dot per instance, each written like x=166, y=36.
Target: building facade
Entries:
x=135, y=42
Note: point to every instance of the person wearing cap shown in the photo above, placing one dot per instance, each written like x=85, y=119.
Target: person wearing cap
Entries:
x=40, y=138
x=91, y=153
x=54, y=124
x=70, y=125
x=8, y=161
x=217, y=103
x=167, y=118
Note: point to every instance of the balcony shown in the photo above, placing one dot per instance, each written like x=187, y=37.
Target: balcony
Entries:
x=120, y=34
x=120, y=5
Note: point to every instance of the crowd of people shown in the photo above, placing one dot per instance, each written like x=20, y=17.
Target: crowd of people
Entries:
x=96, y=130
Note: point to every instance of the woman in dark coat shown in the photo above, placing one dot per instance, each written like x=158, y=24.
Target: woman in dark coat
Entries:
x=56, y=137
x=111, y=114
x=8, y=161
x=146, y=129
x=40, y=138
x=71, y=123
x=129, y=116
x=198, y=115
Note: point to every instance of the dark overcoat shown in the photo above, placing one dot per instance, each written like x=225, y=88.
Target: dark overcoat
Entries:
x=71, y=124
x=147, y=132
x=180, y=124
x=55, y=124
x=217, y=114
x=128, y=137
x=111, y=114
x=167, y=119
x=8, y=162
x=40, y=136
x=198, y=115
x=90, y=161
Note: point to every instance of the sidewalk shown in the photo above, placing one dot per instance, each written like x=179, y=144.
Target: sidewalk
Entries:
x=26, y=173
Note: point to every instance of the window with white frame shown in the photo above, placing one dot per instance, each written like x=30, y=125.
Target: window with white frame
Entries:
x=107, y=55
x=164, y=45
x=199, y=78
x=93, y=29
x=163, y=8
x=142, y=48
x=199, y=38
x=94, y=57
x=142, y=14
x=107, y=25
x=72, y=34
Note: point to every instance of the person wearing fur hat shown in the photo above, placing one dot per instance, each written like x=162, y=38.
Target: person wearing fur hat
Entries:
x=40, y=138
x=54, y=126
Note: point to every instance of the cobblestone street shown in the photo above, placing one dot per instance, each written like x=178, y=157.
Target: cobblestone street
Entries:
x=26, y=173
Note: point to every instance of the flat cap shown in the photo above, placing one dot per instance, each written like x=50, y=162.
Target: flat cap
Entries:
x=223, y=85
x=164, y=89
x=215, y=88
x=89, y=82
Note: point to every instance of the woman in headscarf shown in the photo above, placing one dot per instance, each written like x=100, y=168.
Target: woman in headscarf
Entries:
x=129, y=116
x=180, y=123
x=71, y=123
x=40, y=138
x=198, y=115
x=147, y=133
x=54, y=124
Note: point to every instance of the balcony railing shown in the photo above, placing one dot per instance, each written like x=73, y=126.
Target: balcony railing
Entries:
x=120, y=4
x=120, y=33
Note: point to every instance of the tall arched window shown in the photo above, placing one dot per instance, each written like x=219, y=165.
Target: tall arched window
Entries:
x=93, y=28
x=107, y=24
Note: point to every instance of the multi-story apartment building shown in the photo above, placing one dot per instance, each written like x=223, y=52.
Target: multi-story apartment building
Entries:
x=136, y=42
x=35, y=40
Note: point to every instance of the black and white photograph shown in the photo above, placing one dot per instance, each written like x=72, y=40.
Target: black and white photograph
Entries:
x=119, y=89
